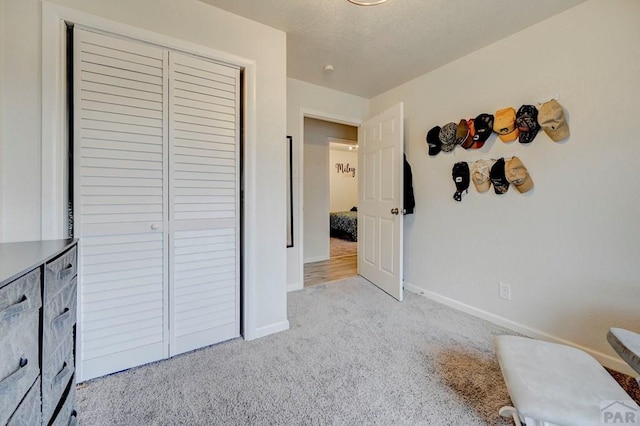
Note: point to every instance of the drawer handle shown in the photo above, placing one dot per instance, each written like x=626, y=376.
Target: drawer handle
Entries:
x=73, y=421
x=16, y=308
x=16, y=375
x=65, y=370
x=65, y=272
x=62, y=318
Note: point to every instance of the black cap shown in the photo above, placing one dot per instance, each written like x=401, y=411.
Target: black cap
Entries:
x=461, y=177
x=483, y=125
x=498, y=177
x=433, y=141
x=527, y=123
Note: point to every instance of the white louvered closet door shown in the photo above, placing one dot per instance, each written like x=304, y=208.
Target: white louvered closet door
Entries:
x=121, y=216
x=156, y=210
x=204, y=200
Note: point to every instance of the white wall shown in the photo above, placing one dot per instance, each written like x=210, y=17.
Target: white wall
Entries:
x=189, y=21
x=20, y=157
x=343, y=186
x=570, y=248
x=304, y=99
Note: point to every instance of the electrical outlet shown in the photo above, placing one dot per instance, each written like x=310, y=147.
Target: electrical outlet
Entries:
x=504, y=291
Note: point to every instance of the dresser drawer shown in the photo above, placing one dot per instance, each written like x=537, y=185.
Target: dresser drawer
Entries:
x=67, y=416
x=19, y=340
x=17, y=297
x=57, y=369
x=28, y=413
x=18, y=362
x=59, y=317
x=60, y=272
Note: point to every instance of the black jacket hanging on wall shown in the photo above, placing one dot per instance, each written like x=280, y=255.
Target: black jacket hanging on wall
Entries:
x=409, y=199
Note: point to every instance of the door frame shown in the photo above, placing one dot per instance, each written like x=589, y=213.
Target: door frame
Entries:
x=299, y=223
x=54, y=164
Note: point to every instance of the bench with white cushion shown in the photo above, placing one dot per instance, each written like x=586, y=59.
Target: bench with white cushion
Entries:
x=627, y=344
x=552, y=384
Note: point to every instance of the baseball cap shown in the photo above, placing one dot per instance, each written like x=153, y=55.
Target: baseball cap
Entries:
x=498, y=178
x=551, y=119
x=504, y=124
x=460, y=174
x=483, y=126
x=527, y=123
x=472, y=132
x=435, y=146
x=480, y=174
x=517, y=174
x=447, y=136
x=465, y=126
x=462, y=132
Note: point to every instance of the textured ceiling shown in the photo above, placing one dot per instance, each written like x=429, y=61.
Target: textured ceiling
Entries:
x=375, y=48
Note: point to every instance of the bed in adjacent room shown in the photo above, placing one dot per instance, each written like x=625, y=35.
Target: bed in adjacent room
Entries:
x=344, y=225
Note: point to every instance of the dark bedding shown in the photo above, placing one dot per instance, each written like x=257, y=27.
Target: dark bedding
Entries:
x=344, y=225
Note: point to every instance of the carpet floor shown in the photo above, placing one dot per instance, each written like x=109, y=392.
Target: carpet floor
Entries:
x=352, y=356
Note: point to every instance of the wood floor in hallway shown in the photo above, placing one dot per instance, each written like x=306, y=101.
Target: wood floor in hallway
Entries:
x=342, y=264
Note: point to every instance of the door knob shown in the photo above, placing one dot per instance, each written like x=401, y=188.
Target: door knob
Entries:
x=155, y=226
x=395, y=211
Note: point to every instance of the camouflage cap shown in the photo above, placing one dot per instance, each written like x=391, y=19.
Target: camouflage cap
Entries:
x=527, y=123
x=447, y=136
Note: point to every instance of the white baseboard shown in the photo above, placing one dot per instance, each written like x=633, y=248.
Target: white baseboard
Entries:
x=269, y=329
x=604, y=359
x=316, y=259
x=294, y=287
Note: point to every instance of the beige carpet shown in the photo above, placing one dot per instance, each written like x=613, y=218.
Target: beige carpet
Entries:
x=352, y=356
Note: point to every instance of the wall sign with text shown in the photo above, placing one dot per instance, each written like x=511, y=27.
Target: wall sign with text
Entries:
x=345, y=169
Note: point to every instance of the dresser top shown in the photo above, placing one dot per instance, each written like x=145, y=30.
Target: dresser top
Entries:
x=18, y=258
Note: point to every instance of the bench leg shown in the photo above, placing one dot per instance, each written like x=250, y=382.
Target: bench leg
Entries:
x=509, y=411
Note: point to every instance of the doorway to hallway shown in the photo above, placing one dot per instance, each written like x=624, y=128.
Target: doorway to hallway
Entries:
x=330, y=201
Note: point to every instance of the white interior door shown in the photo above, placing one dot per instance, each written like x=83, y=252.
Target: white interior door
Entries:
x=204, y=203
x=120, y=210
x=380, y=200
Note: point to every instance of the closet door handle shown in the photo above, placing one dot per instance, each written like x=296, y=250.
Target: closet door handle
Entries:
x=16, y=375
x=16, y=308
x=155, y=226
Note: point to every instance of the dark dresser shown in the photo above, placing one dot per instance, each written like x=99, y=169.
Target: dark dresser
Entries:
x=37, y=332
